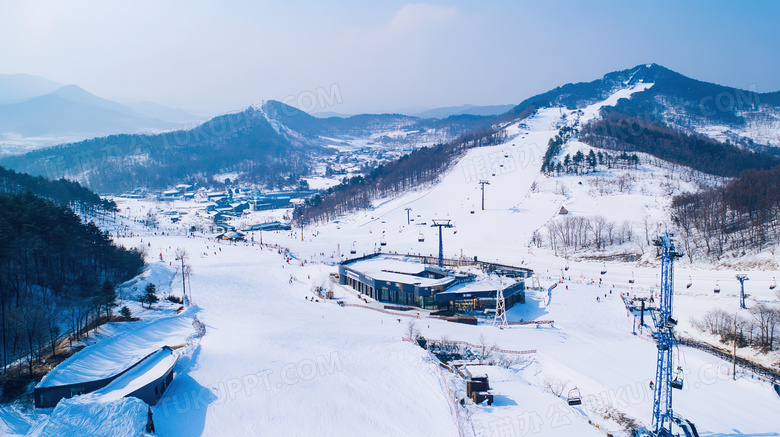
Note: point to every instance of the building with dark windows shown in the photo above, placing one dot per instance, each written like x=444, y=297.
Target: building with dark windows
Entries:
x=465, y=286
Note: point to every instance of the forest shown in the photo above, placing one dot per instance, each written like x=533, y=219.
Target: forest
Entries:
x=743, y=215
x=759, y=329
x=628, y=134
x=56, y=275
x=62, y=192
x=580, y=163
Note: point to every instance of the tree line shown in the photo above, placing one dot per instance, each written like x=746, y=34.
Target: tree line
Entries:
x=620, y=132
x=62, y=191
x=743, y=215
x=572, y=233
x=759, y=329
x=56, y=273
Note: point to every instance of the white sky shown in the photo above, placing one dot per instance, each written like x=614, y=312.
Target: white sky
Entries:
x=378, y=56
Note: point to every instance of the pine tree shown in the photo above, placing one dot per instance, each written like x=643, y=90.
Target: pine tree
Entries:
x=592, y=160
x=150, y=295
x=107, y=297
x=125, y=312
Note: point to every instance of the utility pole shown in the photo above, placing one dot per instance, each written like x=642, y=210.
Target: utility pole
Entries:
x=407, y=214
x=742, y=279
x=302, y=230
x=483, y=183
x=734, y=356
x=441, y=223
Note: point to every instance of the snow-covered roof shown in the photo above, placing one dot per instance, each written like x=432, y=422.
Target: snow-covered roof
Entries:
x=388, y=264
x=392, y=269
x=150, y=369
x=113, y=355
x=482, y=285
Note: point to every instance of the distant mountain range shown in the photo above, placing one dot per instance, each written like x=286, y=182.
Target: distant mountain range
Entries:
x=35, y=108
x=463, y=110
x=271, y=145
x=274, y=144
x=438, y=113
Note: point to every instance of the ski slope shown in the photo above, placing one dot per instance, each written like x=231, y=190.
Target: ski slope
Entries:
x=276, y=362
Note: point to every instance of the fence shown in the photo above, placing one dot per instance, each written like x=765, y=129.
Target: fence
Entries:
x=476, y=346
x=759, y=370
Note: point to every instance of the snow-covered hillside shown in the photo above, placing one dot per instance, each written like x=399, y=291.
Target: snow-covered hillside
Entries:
x=277, y=359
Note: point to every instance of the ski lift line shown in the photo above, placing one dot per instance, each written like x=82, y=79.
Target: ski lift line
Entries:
x=398, y=207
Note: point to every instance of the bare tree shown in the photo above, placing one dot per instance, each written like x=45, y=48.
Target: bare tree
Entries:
x=411, y=330
x=182, y=256
x=484, y=349
x=554, y=385
x=766, y=321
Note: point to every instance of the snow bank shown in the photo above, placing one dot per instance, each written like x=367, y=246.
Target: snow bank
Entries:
x=157, y=273
x=86, y=415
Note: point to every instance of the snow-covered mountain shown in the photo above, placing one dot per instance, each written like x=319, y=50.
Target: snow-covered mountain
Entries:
x=744, y=117
x=36, y=112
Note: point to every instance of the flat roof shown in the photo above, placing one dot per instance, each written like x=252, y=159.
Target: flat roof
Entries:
x=485, y=289
x=402, y=270
x=386, y=264
x=483, y=285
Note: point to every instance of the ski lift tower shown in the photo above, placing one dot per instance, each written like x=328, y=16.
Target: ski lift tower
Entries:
x=441, y=223
x=742, y=279
x=483, y=183
x=663, y=416
x=407, y=214
x=500, y=318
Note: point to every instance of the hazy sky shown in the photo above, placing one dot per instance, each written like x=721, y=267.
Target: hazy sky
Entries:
x=375, y=56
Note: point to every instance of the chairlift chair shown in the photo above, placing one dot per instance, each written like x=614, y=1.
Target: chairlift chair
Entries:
x=567, y=266
x=382, y=241
x=421, y=237
x=690, y=282
x=717, y=287
x=574, y=397
x=353, y=250
x=677, y=381
x=604, y=269
x=772, y=287
x=631, y=281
